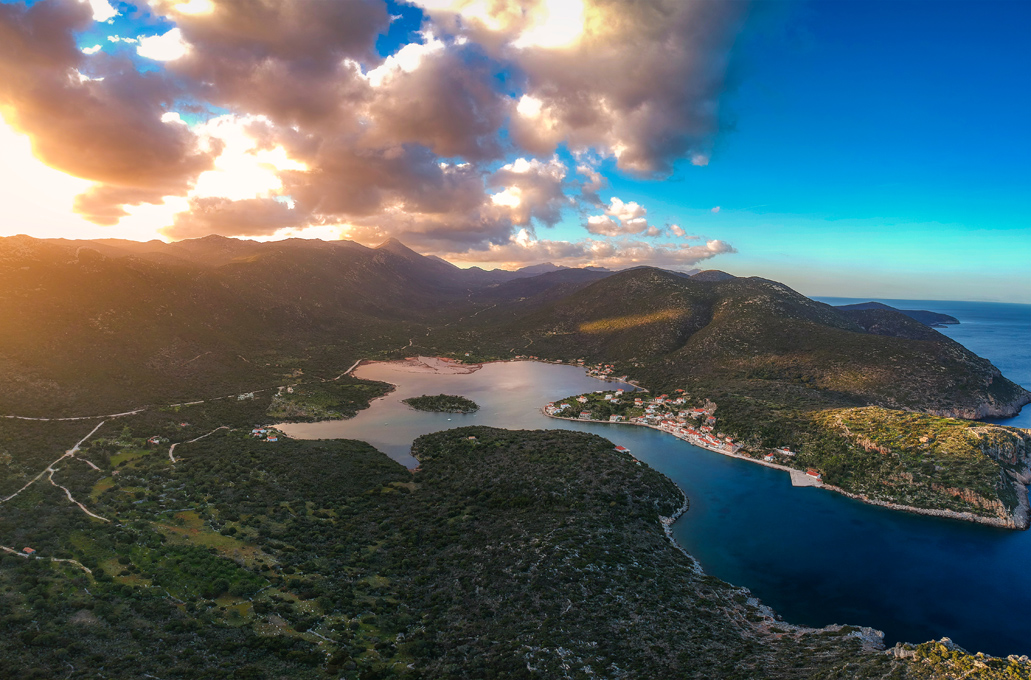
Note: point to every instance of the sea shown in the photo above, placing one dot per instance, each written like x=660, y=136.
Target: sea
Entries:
x=815, y=556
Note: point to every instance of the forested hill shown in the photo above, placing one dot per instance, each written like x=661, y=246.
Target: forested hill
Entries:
x=754, y=337
x=110, y=325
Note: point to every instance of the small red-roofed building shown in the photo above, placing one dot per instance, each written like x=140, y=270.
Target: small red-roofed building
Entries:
x=28, y=551
x=815, y=474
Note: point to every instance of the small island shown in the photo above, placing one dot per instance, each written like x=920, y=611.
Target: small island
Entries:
x=443, y=403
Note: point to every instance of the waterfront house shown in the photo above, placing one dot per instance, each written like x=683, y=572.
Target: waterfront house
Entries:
x=815, y=474
x=585, y=415
x=622, y=449
x=582, y=399
x=615, y=419
x=768, y=457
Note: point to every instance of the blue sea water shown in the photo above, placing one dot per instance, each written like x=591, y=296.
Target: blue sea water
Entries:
x=815, y=556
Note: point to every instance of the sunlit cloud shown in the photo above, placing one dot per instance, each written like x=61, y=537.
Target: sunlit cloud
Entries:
x=38, y=200
x=102, y=10
x=195, y=7
x=167, y=47
x=242, y=170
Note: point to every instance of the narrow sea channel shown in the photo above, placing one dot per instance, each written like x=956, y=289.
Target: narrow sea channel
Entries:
x=816, y=557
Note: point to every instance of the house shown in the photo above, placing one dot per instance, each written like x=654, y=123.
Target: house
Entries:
x=784, y=452
x=585, y=415
x=619, y=393
x=615, y=419
x=608, y=397
x=28, y=551
x=638, y=401
x=154, y=440
x=582, y=399
x=768, y=457
x=472, y=438
x=815, y=474
x=622, y=449
x=272, y=438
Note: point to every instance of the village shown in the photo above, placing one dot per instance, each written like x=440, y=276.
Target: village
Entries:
x=695, y=425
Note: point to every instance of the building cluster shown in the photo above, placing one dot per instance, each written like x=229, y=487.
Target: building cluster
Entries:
x=672, y=414
x=265, y=434
x=663, y=412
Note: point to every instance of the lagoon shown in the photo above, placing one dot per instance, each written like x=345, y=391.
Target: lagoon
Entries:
x=815, y=556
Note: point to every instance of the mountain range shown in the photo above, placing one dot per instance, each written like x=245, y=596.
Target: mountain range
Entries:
x=116, y=324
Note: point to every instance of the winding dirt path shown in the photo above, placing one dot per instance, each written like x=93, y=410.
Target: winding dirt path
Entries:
x=171, y=449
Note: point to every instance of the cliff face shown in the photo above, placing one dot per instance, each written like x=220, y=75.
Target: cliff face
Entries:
x=991, y=408
x=940, y=465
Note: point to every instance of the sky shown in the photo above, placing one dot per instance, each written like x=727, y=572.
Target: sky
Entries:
x=844, y=148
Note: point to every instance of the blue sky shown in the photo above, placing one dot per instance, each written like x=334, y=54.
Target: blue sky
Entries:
x=845, y=148
x=875, y=148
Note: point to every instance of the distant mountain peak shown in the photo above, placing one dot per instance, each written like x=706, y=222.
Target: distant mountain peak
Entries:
x=712, y=275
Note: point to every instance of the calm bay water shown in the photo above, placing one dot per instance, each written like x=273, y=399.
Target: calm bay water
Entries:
x=816, y=557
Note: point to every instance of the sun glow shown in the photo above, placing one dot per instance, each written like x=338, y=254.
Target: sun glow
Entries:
x=195, y=7
x=561, y=26
x=242, y=170
x=38, y=199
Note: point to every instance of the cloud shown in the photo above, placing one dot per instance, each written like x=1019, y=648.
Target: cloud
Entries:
x=102, y=10
x=533, y=190
x=292, y=60
x=166, y=47
x=639, y=81
x=676, y=230
x=715, y=210
x=621, y=219
x=246, y=217
x=448, y=144
x=590, y=187
x=616, y=254
x=441, y=96
x=106, y=128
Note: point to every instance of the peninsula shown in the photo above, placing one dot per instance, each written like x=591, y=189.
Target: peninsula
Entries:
x=925, y=464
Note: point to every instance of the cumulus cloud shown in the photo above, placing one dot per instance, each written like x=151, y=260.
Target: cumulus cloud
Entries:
x=292, y=60
x=592, y=184
x=532, y=190
x=616, y=254
x=102, y=10
x=640, y=81
x=105, y=128
x=620, y=219
x=246, y=217
x=439, y=96
x=323, y=135
x=165, y=47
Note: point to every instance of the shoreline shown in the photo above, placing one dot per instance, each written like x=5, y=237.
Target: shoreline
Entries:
x=1019, y=521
